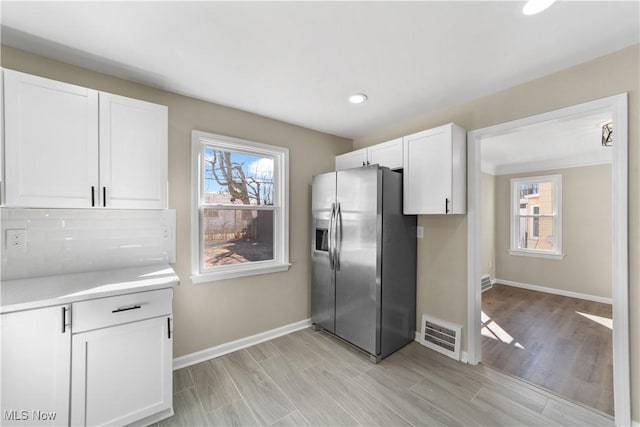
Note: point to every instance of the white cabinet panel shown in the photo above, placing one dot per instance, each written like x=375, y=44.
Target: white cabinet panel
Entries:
x=435, y=171
x=71, y=147
x=352, y=159
x=133, y=153
x=1, y=137
x=112, y=311
x=36, y=364
x=387, y=154
x=121, y=374
x=51, y=142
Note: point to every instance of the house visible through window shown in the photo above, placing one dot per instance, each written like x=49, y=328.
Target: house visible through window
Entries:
x=239, y=220
x=536, y=222
x=536, y=226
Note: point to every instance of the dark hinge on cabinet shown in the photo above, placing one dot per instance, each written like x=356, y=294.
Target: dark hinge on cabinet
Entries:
x=168, y=327
x=104, y=197
x=446, y=205
x=93, y=196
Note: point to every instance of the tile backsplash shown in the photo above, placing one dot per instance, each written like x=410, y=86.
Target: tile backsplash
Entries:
x=62, y=241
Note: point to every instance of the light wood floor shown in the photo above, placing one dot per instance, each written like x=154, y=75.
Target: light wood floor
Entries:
x=557, y=343
x=312, y=378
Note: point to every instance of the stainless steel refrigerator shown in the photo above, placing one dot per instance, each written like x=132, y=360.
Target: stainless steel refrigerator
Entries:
x=363, y=256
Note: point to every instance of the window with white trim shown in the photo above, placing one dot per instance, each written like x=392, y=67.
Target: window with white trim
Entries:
x=536, y=221
x=239, y=224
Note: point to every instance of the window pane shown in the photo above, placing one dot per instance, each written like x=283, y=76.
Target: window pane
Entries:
x=237, y=178
x=536, y=233
x=236, y=236
x=540, y=195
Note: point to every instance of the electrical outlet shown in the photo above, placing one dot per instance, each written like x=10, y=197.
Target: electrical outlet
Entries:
x=16, y=239
x=165, y=232
x=420, y=232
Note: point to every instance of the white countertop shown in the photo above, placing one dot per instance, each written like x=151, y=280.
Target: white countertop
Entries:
x=37, y=292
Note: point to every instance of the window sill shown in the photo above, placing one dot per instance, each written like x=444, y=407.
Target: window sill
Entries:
x=239, y=272
x=537, y=254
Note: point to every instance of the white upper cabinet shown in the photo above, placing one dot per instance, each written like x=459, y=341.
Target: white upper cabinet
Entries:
x=352, y=159
x=133, y=153
x=51, y=142
x=387, y=154
x=435, y=171
x=68, y=147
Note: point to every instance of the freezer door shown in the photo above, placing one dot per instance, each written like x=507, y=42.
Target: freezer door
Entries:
x=323, y=301
x=358, y=251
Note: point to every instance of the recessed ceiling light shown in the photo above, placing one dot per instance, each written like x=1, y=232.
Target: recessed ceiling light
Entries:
x=358, y=98
x=536, y=6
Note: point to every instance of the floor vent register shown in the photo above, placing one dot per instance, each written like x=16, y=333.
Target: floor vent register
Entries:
x=441, y=336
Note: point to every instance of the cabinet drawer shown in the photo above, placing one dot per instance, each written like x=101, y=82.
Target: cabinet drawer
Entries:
x=104, y=312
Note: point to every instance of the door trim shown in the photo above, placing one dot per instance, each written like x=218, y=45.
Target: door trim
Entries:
x=617, y=106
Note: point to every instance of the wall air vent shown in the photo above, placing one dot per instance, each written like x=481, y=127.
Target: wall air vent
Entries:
x=485, y=283
x=441, y=336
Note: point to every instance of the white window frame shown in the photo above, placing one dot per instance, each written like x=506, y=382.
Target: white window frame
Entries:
x=280, y=262
x=515, y=248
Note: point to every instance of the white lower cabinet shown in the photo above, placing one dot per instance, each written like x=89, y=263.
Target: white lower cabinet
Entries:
x=121, y=374
x=36, y=362
x=105, y=361
x=122, y=359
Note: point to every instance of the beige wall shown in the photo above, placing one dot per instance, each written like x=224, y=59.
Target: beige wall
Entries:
x=488, y=237
x=210, y=314
x=445, y=282
x=586, y=234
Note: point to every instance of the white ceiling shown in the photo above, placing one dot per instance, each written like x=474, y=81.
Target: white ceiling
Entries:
x=299, y=61
x=555, y=144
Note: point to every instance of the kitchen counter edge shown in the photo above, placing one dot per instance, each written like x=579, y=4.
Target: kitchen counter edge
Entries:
x=40, y=292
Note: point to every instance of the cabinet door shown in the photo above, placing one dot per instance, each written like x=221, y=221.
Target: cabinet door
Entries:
x=121, y=374
x=427, y=171
x=352, y=159
x=51, y=141
x=387, y=154
x=36, y=363
x=1, y=137
x=133, y=153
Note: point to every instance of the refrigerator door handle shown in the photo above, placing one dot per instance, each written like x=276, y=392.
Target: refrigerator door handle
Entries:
x=332, y=223
x=338, y=234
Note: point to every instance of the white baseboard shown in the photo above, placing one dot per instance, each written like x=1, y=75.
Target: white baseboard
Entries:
x=555, y=291
x=230, y=347
x=635, y=423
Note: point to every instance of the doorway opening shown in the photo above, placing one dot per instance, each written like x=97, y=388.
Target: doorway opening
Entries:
x=533, y=249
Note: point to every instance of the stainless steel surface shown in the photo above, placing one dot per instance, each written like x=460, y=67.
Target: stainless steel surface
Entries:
x=323, y=294
x=358, y=279
x=332, y=239
x=399, y=268
x=363, y=259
